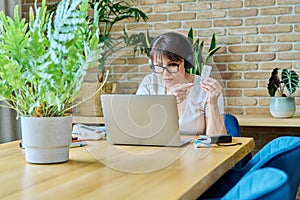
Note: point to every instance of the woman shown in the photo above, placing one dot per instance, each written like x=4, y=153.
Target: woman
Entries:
x=171, y=56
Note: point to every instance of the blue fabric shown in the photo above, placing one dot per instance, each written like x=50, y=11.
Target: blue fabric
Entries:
x=233, y=128
x=232, y=125
x=264, y=184
x=282, y=153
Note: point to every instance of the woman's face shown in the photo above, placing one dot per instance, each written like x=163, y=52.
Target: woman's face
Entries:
x=171, y=71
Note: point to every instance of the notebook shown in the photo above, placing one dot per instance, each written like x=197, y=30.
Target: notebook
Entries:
x=141, y=120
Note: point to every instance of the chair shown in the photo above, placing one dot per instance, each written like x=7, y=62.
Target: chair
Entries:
x=232, y=125
x=266, y=183
x=233, y=129
x=282, y=153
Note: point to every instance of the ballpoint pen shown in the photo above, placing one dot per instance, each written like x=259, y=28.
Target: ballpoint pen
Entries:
x=77, y=144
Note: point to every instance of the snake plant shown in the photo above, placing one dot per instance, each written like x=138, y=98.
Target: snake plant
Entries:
x=199, y=58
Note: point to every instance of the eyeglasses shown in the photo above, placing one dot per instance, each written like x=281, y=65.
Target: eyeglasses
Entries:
x=171, y=68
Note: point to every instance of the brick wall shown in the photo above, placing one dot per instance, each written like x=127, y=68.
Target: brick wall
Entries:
x=256, y=36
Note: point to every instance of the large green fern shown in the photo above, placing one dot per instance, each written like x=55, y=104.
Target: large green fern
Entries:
x=43, y=62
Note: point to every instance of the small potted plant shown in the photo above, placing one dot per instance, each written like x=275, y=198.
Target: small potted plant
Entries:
x=282, y=105
x=200, y=60
x=42, y=66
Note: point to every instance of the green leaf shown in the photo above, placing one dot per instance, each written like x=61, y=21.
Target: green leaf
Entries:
x=191, y=35
x=212, y=42
x=210, y=54
x=290, y=80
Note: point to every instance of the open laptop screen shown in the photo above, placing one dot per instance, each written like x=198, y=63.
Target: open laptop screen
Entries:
x=141, y=119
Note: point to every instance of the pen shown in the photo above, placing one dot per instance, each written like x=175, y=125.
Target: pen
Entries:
x=77, y=144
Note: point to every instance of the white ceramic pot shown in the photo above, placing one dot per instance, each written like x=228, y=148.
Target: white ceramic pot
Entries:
x=46, y=139
x=282, y=107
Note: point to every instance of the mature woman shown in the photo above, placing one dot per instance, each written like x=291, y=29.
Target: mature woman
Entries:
x=171, y=55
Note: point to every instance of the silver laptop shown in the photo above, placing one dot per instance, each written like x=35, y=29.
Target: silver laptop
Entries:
x=141, y=120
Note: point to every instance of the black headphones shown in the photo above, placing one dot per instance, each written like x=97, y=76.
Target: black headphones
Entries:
x=188, y=63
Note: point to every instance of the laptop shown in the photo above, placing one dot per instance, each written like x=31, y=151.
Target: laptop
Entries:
x=142, y=120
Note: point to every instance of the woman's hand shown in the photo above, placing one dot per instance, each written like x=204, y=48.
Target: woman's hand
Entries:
x=213, y=88
x=180, y=91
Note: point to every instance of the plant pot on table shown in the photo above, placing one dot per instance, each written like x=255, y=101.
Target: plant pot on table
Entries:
x=46, y=139
x=282, y=107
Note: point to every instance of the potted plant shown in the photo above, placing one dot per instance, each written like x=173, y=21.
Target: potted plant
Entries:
x=200, y=60
x=282, y=106
x=42, y=65
x=109, y=13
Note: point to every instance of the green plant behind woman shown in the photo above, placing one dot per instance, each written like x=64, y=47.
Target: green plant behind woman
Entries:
x=110, y=13
x=199, y=58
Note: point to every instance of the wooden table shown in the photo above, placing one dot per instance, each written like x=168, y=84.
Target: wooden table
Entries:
x=84, y=177
x=268, y=120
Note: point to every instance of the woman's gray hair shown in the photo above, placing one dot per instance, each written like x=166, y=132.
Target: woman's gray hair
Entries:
x=174, y=46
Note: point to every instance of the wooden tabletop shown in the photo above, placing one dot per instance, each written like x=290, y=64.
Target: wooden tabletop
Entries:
x=89, y=173
x=268, y=121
